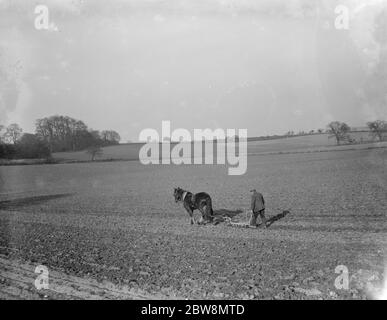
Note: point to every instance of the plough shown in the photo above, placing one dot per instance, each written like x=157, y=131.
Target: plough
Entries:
x=231, y=223
x=228, y=221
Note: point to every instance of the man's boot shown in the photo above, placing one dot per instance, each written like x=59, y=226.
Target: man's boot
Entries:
x=263, y=219
x=253, y=219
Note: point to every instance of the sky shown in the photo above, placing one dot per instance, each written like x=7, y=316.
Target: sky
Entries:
x=267, y=66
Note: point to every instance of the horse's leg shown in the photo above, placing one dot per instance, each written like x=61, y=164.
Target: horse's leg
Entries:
x=203, y=218
x=209, y=213
x=190, y=212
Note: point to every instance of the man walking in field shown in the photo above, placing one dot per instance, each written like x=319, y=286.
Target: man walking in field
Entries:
x=257, y=208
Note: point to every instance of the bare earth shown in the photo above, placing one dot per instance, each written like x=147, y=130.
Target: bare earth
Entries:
x=113, y=231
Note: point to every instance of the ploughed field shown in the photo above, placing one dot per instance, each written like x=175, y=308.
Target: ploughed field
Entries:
x=113, y=230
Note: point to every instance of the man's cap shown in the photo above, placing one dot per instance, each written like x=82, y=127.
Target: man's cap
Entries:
x=252, y=190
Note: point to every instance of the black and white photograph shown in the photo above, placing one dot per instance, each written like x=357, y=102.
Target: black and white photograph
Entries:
x=217, y=151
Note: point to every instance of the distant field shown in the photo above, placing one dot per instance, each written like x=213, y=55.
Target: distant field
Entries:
x=122, y=151
x=293, y=144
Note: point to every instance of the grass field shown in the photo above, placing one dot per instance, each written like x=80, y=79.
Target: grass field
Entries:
x=310, y=143
x=113, y=230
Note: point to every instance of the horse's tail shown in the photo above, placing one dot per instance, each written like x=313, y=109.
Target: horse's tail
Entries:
x=210, y=211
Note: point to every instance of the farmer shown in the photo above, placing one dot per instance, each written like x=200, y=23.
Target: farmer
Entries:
x=257, y=208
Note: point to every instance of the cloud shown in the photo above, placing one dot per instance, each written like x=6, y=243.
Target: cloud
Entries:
x=15, y=61
x=369, y=33
x=73, y=6
x=279, y=8
x=136, y=57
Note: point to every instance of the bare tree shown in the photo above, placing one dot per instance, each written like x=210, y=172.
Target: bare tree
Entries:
x=1, y=134
x=44, y=130
x=63, y=133
x=290, y=133
x=74, y=129
x=95, y=151
x=110, y=137
x=13, y=133
x=378, y=129
x=339, y=131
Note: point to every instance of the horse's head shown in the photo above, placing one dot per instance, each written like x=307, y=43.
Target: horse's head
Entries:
x=178, y=194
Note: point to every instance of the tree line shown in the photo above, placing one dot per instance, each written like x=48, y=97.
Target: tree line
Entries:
x=340, y=131
x=52, y=134
x=61, y=133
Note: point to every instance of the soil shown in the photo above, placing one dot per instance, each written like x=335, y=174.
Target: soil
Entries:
x=113, y=231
